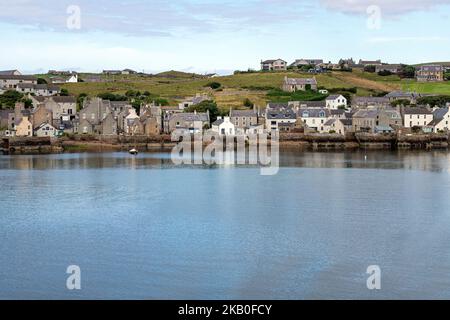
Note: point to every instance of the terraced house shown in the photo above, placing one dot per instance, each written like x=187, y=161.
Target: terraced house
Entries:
x=430, y=73
x=299, y=84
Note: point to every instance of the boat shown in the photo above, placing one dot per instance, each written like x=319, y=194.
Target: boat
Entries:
x=133, y=151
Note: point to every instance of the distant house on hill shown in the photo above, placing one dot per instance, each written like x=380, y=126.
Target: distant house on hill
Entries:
x=393, y=68
x=430, y=73
x=274, y=65
x=306, y=62
x=299, y=84
x=10, y=73
x=366, y=63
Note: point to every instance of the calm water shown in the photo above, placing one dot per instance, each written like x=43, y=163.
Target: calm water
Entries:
x=141, y=228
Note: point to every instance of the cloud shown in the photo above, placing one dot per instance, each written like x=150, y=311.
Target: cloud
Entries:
x=152, y=18
x=388, y=7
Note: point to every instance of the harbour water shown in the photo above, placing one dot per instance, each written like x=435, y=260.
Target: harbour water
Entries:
x=142, y=228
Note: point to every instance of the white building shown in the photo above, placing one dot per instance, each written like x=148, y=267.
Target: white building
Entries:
x=417, y=117
x=223, y=126
x=129, y=120
x=441, y=120
x=315, y=118
x=335, y=101
x=45, y=130
x=274, y=65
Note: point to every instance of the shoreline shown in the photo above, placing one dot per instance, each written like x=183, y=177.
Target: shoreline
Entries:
x=299, y=142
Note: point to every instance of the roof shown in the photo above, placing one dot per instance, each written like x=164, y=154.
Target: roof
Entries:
x=13, y=77
x=334, y=96
x=8, y=72
x=337, y=112
x=366, y=113
x=243, y=113
x=300, y=81
x=191, y=116
x=330, y=122
x=44, y=125
x=284, y=113
x=38, y=86
x=370, y=100
x=383, y=128
x=402, y=94
x=416, y=110
x=346, y=122
x=218, y=122
x=277, y=105
x=272, y=60
x=64, y=99
x=314, y=112
x=430, y=68
x=310, y=104
x=439, y=114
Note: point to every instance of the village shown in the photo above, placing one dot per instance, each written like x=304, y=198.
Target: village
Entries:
x=46, y=110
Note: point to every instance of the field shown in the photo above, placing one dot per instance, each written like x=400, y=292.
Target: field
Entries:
x=175, y=86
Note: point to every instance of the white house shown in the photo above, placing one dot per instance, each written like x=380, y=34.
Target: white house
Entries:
x=417, y=117
x=335, y=101
x=315, y=118
x=223, y=126
x=129, y=120
x=73, y=78
x=441, y=121
x=45, y=130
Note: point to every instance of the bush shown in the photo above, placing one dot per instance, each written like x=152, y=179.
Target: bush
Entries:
x=112, y=97
x=248, y=103
x=370, y=69
x=9, y=98
x=214, y=85
x=205, y=106
x=385, y=73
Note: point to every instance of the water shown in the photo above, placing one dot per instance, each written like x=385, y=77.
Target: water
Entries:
x=140, y=228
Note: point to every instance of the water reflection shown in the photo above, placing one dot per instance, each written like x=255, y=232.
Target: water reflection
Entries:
x=436, y=161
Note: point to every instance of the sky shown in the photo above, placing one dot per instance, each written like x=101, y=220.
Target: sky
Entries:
x=216, y=35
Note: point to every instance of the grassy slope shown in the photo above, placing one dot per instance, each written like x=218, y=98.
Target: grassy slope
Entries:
x=236, y=88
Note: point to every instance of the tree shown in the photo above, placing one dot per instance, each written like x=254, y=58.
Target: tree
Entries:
x=434, y=100
x=9, y=98
x=205, y=106
x=248, y=103
x=385, y=73
x=447, y=76
x=27, y=102
x=400, y=102
x=41, y=81
x=80, y=100
x=64, y=92
x=408, y=72
x=370, y=69
x=112, y=97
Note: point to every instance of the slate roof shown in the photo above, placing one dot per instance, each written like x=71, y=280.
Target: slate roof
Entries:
x=314, y=112
x=416, y=110
x=243, y=113
x=300, y=81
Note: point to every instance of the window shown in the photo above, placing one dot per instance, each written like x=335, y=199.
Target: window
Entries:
x=93, y=116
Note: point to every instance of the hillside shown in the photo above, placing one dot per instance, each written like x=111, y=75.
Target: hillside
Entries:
x=174, y=86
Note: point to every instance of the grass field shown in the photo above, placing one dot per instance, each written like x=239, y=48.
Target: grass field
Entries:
x=175, y=86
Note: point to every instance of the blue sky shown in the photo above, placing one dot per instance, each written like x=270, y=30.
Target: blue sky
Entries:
x=217, y=36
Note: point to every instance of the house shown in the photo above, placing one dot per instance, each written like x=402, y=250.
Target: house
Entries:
x=370, y=102
x=40, y=115
x=274, y=65
x=430, y=73
x=130, y=122
x=128, y=71
x=336, y=101
x=71, y=78
x=10, y=73
x=393, y=68
x=389, y=117
x=192, y=101
x=347, y=63
x=223, y=126
x=299, y=84
x=38, y=89
x=412, y=97
x=338, y=114
x=314, y=118
x=365, y=120
x=416, y=117
x=339, y=126
x=10, y=82
x=94, y=111
x=191, y=122
x=63, y=108
x=112, y=72
x=24, y=128
x=306, y=62
x=441, y=120
x=46, y=130
x=243, y=119
x=366, y=63
x=279, y=115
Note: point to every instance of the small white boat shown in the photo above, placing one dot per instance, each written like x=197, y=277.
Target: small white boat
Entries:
x=133, y=151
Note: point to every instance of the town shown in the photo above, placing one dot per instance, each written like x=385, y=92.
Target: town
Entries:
x=37, y=106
